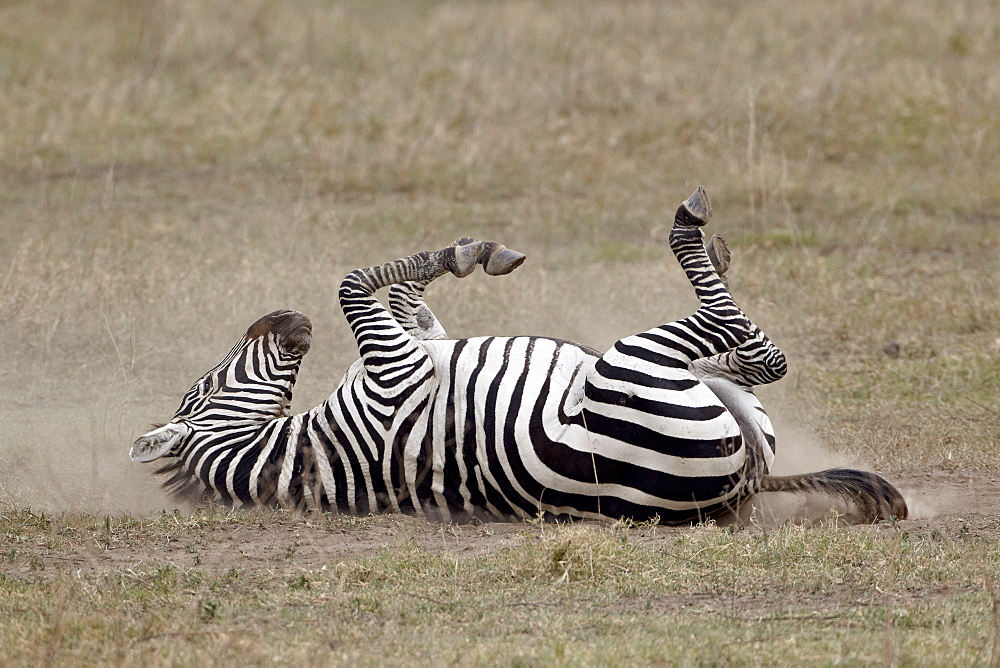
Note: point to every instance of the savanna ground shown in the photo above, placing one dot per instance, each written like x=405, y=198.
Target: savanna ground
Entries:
x=173, y=170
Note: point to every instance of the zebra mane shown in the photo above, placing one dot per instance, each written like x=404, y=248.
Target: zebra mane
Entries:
x=181, y=486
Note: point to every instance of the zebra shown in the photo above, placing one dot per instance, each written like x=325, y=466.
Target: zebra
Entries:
x=664, y=426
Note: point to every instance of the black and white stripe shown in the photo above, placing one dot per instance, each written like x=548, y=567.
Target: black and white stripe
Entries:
x=664, y=424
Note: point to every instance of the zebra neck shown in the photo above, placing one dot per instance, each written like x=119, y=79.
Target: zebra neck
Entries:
x=249, y=463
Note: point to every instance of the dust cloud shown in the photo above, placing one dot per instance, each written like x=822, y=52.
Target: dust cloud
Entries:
x=800, y=450
x=60, y=459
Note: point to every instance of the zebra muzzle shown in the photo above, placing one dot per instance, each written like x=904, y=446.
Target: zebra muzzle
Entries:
x=298, y=342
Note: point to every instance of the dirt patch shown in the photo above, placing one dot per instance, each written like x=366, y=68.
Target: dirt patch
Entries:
x=942, y=503
x=251, y=539
x=950, y=493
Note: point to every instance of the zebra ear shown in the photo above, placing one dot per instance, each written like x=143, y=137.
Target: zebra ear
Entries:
x=158, y=442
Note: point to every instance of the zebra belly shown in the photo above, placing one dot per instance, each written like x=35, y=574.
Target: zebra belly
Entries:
x=523, y=439
x=754, y=423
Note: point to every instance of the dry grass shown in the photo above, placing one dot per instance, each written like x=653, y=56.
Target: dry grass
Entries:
x=173, y=170
x=79, y=590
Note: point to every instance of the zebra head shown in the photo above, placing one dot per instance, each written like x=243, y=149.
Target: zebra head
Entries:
x=252, y=385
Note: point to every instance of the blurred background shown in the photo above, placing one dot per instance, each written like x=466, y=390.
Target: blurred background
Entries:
x=171, y=171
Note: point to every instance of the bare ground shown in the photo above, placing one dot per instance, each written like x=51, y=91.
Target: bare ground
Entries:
x=944, y=502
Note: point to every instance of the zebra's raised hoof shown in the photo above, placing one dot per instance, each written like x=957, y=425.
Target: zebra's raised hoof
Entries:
x=466, y=257
x=498, y=260
x=696, y=210
x=720, y=256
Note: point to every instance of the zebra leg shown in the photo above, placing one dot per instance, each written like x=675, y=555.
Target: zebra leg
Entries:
x=406, y=300
x=382, y=403
x=406, y=303
x=756, y=361
x=719, y=325
x=385, y=344
x=716, y=327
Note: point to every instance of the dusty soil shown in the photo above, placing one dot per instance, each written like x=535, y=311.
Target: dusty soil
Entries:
x=946, y=502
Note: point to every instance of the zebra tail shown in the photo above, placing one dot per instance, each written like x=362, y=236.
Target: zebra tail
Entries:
x=874, y=496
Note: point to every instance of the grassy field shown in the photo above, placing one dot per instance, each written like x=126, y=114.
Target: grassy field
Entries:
x=199, y=589
x=171, y=171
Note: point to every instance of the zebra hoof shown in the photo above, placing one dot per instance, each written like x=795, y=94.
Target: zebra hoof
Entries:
x=718, y=253
x=466, y=258
x=499, y=260
x=695, y=211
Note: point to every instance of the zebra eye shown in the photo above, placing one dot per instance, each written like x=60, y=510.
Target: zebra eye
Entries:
x=206, y=385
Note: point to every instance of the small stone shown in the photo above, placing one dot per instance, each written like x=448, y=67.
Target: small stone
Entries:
x=892, y=349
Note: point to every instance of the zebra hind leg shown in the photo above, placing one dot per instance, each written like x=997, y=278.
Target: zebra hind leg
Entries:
x=756, y=361
x=719, y=322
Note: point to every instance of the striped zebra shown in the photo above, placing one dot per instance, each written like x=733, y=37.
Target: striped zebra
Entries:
x=664, y=425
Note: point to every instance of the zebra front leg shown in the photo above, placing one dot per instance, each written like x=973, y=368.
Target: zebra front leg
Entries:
x=406, y=300
x=384, y=397
x=406, y=303
x=380, y=337
x=497, y=259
